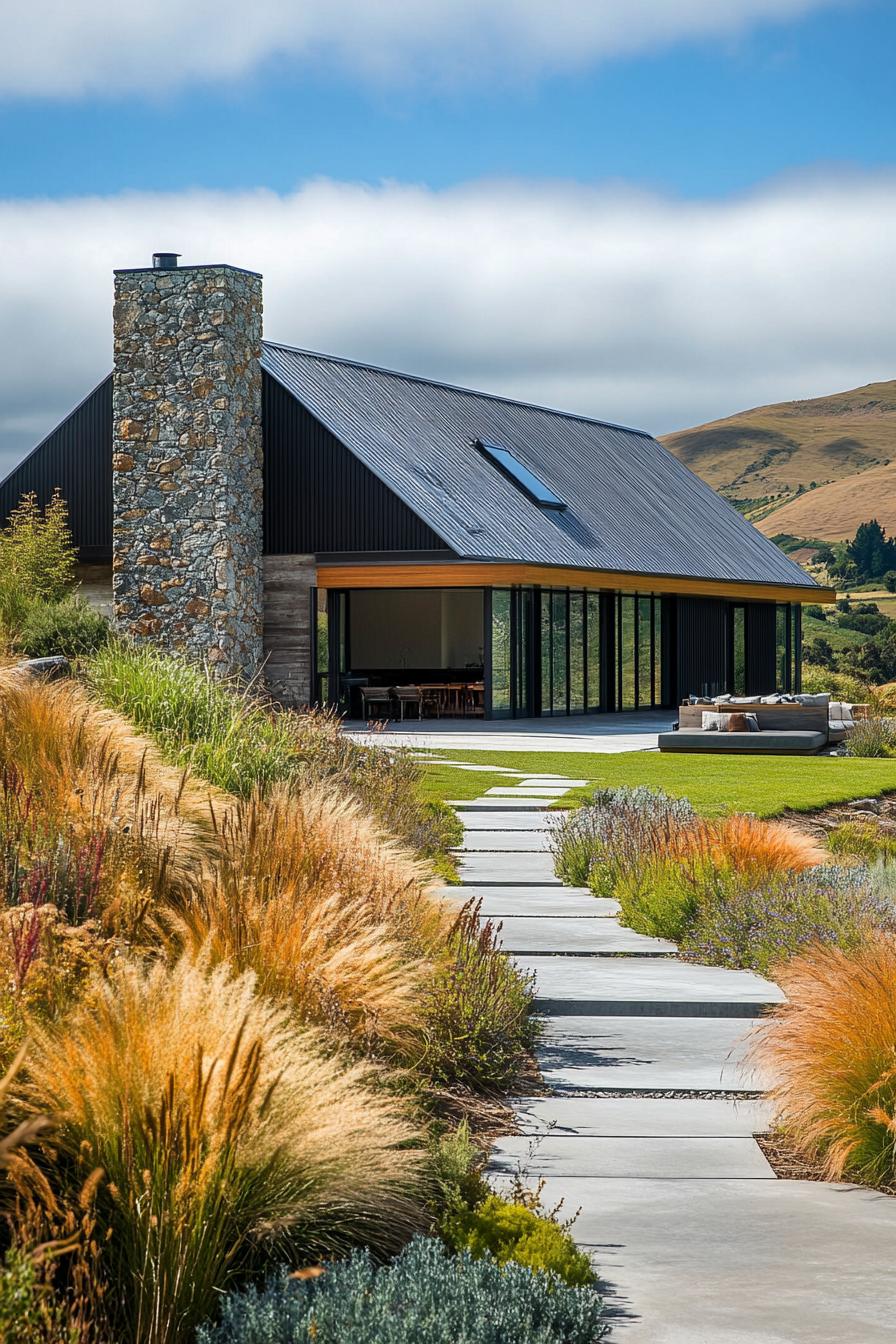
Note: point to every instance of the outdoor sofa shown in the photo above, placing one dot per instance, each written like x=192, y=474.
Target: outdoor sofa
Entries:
x=765, y=726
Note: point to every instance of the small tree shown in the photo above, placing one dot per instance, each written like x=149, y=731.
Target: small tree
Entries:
x=36, y=550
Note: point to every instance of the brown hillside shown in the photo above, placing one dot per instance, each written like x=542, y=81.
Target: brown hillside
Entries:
x=773, y=450
x=833, y=512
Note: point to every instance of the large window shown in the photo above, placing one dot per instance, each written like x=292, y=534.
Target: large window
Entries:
x=739, y=651
x=559, y=664
x=638, y=627
x=788, y=646
x=576, y=653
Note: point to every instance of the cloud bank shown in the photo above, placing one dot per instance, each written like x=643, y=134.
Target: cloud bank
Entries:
x=58, y=49
x=624, y=305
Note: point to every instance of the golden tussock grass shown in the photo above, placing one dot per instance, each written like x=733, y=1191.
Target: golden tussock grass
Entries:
x=745, y=843
x=89, y=767
x=831, y=1049
x=305, y=892
x=228, y=1138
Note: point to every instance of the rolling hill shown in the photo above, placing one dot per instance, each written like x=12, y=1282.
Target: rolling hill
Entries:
x=808, y=468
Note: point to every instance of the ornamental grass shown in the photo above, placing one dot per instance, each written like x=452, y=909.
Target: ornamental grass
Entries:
x=831, y=1049
x=228, y=1137
x=331, y=916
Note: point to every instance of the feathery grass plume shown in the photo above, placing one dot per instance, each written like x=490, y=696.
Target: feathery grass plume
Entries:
x=831, y=1050
x=328, y=914
x=228, y=1139
x=85, y=768
x=746, y=843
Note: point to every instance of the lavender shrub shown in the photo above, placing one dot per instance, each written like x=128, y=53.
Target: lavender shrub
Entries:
x=759, y=925
x=617, y=831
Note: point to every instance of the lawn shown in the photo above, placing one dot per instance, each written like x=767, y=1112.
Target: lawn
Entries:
x=765, y=785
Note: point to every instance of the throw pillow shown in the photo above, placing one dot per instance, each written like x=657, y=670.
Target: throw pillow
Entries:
x=714, y=723
x=752, y=723
x=815, y=701
x=737, y=723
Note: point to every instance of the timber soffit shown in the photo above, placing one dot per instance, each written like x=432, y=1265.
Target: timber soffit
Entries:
x=631, y=506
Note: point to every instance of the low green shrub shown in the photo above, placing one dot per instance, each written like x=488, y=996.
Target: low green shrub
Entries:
x=30, y=1312
x=659, y=898
x=510, y=1231
x=874, y=737
x=424, y=1296
x=70, y=627
x=456, y=1166
x=862, y=840
x=37, y=558
x=816, y=680
x=479, y=1023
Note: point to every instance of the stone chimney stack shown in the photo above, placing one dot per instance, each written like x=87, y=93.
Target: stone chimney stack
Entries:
x=187, y=478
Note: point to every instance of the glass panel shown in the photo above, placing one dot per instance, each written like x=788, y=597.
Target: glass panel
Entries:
x=523, y=637
x=577, y=653
x=523, y=477
x=657, y=651
x=594, y=650
x=645, y=653
x=501, y=652
x=627, y=652
x=322, y=649
x=796, y=646
x=739, y=670
x=559, y=678
x=782, y=653
x=546, y=660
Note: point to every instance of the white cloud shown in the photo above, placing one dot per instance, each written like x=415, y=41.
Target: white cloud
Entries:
x=628, y=306
x=60, y=49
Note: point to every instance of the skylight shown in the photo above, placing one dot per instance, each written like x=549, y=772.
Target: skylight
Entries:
x=529, y=483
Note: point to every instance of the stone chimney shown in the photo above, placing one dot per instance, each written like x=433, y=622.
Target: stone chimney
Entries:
x=187, y=458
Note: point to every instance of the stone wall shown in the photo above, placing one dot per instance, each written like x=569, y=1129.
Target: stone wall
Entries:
x=187, y=462
x=288, y=580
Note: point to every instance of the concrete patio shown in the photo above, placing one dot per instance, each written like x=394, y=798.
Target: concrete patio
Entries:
x=583, y=732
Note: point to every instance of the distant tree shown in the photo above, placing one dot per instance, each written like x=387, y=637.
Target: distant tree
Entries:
x=819, y=652
x=890, y=580
x=816, y=610
x=871, y=551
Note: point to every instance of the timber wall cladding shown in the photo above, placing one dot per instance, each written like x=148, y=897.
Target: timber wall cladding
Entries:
x=288, y=580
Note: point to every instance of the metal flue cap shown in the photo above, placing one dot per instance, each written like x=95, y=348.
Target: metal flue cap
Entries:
x=165, y=261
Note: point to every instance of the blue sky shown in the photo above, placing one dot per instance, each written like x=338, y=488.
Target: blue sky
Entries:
x=656, y=212
x=704, y=117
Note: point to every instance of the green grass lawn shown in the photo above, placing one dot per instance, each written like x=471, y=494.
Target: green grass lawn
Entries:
x=766, y=785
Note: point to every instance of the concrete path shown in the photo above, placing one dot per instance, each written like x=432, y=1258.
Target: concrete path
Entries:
x=650, y=1122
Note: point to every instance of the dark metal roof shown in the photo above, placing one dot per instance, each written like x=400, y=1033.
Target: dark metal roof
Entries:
x=631, y=506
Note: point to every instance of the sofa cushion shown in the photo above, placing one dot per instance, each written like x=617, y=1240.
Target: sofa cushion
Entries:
x=814, y=700
x=769, y=742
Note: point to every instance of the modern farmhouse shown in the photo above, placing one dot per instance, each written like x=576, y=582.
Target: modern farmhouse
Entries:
x=338, y=528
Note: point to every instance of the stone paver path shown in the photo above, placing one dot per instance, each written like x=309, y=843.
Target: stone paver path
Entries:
x=649, y=1127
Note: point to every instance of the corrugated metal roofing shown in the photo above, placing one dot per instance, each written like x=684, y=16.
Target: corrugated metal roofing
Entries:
x=631, y=505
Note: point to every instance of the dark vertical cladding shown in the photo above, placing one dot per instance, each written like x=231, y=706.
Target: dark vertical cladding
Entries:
x=760, y=648
x=702, y=644
x=319, y=498
x=76, y=459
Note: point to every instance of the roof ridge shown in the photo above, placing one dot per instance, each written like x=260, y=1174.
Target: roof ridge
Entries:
x=456, y=387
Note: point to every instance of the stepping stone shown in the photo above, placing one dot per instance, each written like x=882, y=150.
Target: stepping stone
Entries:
x=643, y=1117
x=521, y=806
x=527, y=869
x=590, y=936
x=631, y=1054
x=737, y=1261
x=528, y=791
x=659, y=987
x=643, y=1159
x=507, y=841
x=494, y=820
x=547, y=902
